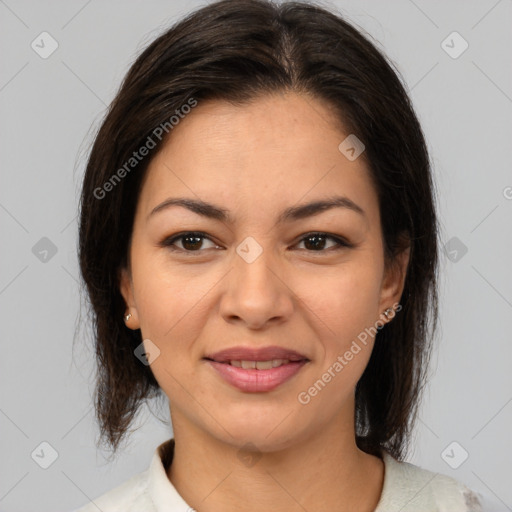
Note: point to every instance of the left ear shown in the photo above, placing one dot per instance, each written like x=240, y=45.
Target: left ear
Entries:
x=394, y=279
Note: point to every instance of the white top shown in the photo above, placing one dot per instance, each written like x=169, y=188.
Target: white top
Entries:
x=407, y=488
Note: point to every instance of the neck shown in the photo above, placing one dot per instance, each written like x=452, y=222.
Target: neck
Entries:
x=320, y=472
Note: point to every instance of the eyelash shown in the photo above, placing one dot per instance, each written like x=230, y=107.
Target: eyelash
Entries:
x=169, y=241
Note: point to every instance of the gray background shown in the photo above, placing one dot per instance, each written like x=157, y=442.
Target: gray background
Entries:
x=48, y=109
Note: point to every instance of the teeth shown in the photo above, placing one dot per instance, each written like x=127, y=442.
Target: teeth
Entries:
x=260, y=365
x=264, y=365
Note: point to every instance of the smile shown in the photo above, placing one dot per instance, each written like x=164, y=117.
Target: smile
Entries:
x=259, y=365
x=256, y=370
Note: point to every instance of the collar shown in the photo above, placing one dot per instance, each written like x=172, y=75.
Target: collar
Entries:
x=161, y=490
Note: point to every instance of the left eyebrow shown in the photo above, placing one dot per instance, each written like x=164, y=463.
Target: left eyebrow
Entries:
x=291, y=214
x=317, y=207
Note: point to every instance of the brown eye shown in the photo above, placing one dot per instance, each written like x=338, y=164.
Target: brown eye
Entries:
x=190, y=242
x=319, y=242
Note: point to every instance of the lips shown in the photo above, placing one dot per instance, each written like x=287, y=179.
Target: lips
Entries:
x=256, y=370
x=271, y=353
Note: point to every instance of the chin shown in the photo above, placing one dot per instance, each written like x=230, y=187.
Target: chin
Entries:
x=254, y=440
x=265, y=434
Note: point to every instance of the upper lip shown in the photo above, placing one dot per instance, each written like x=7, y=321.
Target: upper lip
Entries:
x=255, y=354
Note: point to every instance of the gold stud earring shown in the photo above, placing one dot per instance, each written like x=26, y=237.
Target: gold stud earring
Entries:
x=388, y=312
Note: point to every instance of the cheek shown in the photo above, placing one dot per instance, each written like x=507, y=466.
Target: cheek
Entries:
x=169, y=302
x=344, y=309
x=172, y=314
x=346, y=302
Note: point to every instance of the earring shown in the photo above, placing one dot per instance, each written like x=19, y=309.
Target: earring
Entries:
x=127, y=317
x=388, y=312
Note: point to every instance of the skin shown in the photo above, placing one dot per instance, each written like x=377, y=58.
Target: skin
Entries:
x=255, y=161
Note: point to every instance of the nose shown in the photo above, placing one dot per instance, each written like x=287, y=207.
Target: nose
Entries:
x=256, y=293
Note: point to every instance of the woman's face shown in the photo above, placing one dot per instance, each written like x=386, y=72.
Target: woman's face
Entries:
x=257, y=276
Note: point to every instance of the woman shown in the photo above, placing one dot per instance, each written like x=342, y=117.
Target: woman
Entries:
x=258, y=239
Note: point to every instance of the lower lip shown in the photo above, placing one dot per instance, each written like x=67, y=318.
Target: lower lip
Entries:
x=256, y=381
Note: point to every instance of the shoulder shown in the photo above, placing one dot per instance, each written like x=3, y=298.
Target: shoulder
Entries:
x=130, y=496
x=149, y=491
x=409, y=488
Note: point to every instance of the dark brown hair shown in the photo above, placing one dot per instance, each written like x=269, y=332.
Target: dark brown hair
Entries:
x=237, y=50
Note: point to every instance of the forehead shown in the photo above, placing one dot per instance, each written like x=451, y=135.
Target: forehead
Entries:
x=274, y=150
